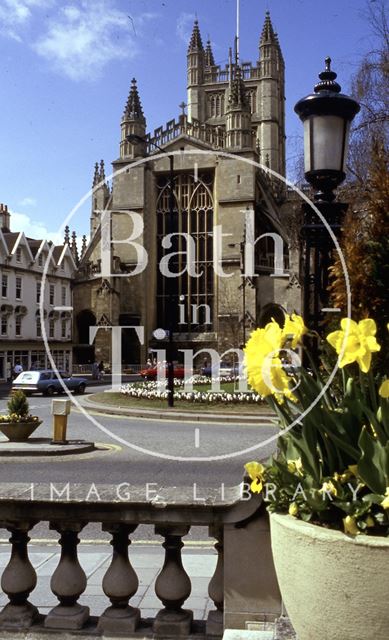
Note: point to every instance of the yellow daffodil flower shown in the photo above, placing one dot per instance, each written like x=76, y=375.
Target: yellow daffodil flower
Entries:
x=295, y=466
x=384, y=389
x=293, y=509
x=264, y=368
x=329, y=487
x=357, y=341
x=385, y=502
x=350, y=525
x=294, y=327
x=256, y=471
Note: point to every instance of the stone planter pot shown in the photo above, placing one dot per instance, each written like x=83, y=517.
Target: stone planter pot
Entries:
x=19, y=431
x=334, y=587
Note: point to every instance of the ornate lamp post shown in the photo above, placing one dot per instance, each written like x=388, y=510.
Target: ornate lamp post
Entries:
x=135, y=139
x=326, y=115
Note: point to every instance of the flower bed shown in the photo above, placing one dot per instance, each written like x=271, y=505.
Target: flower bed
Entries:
x=154, y=390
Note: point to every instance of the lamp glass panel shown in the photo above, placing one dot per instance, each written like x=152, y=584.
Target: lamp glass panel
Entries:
x=327, y=143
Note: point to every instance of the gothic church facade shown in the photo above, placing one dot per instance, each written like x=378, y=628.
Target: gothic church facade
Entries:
x=219, y=155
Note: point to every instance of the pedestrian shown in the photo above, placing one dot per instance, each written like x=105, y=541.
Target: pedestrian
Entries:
x=8, y=371
x=95, y=371
x=17, y=369
x=101, y=369
x=148, y=364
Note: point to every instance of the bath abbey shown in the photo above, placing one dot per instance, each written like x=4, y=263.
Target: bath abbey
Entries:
x=194, y=234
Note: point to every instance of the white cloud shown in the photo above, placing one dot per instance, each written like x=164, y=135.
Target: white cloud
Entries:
x=81, y=40
x=32, y=229
x=184, y=26
x=15, y=14
x=28, y=202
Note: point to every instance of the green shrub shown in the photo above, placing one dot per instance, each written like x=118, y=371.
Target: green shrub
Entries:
x=18, y=404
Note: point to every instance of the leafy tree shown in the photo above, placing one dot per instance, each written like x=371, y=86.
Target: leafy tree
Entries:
x=365, y=233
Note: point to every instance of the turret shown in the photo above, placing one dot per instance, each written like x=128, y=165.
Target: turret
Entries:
x=238, y=125
x=133, y=122
x=271, y=98
x=195, y=62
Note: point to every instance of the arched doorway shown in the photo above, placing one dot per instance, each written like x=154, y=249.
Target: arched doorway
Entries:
x=272, y=311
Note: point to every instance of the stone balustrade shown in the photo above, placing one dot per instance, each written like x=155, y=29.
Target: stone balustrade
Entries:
x=215, y=136
x=243, y=587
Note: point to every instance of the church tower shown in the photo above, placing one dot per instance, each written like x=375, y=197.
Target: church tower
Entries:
x=270, y=106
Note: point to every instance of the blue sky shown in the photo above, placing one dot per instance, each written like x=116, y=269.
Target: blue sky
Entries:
x=66, y=68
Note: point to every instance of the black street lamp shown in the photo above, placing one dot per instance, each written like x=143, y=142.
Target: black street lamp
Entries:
x=132, y=138
x=326, y=115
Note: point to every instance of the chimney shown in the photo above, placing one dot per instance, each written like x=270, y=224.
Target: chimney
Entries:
x=4, y=218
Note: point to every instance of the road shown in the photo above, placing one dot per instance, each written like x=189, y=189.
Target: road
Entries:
x=183, y=442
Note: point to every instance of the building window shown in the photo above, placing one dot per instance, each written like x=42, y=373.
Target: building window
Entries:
x=38, y=328
x=18, y=288
x=51, y=328
x=193, y=215
x=51, y=293
x=63, y=328
x=4, y=326
x=38, y=292
x=40, y=260
x=63, y=296
x=18, y=326
x=4, y=285
x=18, y=254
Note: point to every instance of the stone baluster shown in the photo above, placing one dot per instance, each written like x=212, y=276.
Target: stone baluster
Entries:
x=120, y=583
x=18, y=580
x=68, y=582
x=173, y=585
x=214, y=626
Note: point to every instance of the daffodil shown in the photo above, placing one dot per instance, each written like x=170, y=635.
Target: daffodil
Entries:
x=264, y=368
x=350, y=525
x=256, y=471
x=355, y=342
x=329, y=488
x=295, y=466
x=384, y=389
x=295, y=328
x=385, y=502
x=293, y=509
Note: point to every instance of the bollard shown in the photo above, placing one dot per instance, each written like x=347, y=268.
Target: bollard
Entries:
x=60, y=410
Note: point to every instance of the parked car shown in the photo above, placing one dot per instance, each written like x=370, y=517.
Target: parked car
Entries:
x=222, y=370
x=46, y=381
x=151, y=372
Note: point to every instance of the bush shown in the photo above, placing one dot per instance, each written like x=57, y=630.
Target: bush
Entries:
x=18, y=404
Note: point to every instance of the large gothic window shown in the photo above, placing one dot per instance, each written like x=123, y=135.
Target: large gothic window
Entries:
x=186, y=301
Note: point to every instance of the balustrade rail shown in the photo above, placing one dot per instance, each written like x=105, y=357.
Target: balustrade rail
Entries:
x=242, y=588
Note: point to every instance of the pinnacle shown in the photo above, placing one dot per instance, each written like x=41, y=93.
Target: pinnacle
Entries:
x=238, y=97
x=195, y=43
x=268, y=35
x=133, y=109
x=209, y=59
x=96, y=175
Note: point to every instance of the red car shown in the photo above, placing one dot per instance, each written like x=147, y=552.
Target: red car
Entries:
x=151, y=372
